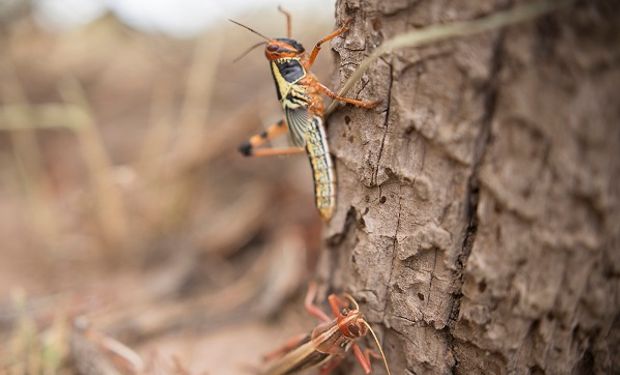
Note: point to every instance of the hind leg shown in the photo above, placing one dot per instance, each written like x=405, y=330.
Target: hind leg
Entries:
x=248, y=148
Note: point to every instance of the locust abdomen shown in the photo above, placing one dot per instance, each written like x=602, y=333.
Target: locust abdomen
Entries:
x=322, y=167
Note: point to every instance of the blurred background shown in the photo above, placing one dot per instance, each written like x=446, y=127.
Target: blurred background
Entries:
x=133, y=236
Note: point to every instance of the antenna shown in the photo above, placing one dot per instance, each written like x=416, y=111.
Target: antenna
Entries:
x=378, y=346
x=288, y=21
x=250, y=29
x=352, y=300
x=248, y=51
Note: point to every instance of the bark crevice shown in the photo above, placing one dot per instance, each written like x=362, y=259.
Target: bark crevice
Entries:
x=386, y=124
x=491, y=91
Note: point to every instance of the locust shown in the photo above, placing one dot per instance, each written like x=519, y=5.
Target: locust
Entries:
x=328, y=343
x=300, y=94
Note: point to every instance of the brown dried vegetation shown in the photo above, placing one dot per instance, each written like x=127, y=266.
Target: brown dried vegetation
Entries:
x=127, y=214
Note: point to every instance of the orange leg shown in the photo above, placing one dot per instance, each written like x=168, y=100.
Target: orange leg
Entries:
x=287, y=347
x=355, y=102
x=277, y=151
x=275, y=130
x=317, y=47
x=288, y=21
x=363, y=357
x=311, y=307
x=335, y=303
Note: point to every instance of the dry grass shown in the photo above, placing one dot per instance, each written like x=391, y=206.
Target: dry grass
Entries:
x=130, y=226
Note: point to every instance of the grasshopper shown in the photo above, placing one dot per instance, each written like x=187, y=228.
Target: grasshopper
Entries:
x=327, y=344
x=299, y=92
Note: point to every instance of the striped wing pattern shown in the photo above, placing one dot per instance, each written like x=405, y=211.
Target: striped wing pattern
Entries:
x=298, y=124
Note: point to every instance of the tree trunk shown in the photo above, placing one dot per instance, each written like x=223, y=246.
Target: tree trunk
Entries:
x=477, y=219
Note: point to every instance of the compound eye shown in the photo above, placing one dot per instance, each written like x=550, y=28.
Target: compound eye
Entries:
x=344, y=311
x=272, y=48
x=354, y=330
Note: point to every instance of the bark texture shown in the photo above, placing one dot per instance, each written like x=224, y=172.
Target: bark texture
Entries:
x=477, y=219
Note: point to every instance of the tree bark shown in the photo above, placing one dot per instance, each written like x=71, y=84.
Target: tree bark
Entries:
x=477, y=219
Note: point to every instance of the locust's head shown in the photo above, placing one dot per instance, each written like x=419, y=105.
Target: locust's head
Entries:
x=283, y=48
x=351, y=321
x=352, y=324
x=278, y=48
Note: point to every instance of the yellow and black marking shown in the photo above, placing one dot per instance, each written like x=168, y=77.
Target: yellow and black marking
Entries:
x=247, y=148
x=299, y=92
x=305, y=130
x=322, y=168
